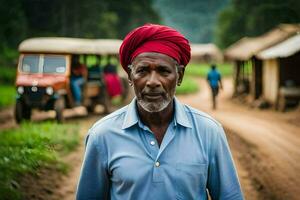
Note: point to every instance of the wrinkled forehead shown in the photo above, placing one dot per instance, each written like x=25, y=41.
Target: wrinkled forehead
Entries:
x=155, y=58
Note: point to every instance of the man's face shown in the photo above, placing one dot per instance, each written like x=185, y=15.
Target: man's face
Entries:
x=154, y=77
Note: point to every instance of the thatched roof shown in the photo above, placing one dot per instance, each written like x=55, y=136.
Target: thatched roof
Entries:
x=282, y=50
x=204, y=51
x=247, y=47
x=70, y=45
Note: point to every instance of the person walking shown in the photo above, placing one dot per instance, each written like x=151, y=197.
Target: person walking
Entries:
x=215, y=82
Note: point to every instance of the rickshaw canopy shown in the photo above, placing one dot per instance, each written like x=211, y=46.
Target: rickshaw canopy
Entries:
x=70, y=46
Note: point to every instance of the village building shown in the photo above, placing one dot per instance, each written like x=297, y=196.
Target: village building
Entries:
x=281, y=73
x=206, y=53
x=250, y=74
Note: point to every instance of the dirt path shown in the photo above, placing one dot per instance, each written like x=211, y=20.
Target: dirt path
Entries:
x=265, y=144
x=67, y=188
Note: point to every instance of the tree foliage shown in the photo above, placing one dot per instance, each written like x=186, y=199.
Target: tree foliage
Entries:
x=194, y=18
x=21, y=19
x=253, y=17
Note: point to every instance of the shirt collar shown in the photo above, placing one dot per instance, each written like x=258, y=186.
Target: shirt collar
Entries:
x=131, y=117
x=180, y=114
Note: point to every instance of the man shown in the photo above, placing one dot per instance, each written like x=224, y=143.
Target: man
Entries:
x=214, y=81
x=157, y=148
x=78, y=77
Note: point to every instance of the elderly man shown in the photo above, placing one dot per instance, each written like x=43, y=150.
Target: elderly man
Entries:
x=157, y=148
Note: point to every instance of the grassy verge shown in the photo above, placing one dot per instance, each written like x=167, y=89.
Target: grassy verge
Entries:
x=7, y=88
x=201, y=70
x=26, y=149
x=8, y=93
x=187, y=86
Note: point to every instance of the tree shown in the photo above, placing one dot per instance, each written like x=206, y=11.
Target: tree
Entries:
x=252, y=18
x=70, y=18
x=194, y=18
x=133, y=13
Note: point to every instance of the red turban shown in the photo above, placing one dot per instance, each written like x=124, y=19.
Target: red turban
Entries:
x=155, y=38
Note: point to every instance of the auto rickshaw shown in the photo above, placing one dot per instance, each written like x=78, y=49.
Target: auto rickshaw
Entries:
x=44, y=71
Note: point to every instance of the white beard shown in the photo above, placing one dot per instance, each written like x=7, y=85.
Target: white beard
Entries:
x=153, y=107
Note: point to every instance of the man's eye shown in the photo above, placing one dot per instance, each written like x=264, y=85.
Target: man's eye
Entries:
x=141, y=70
x=164, y=71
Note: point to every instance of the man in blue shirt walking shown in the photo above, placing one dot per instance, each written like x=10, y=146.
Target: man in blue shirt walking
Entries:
x=215, y=82
x=157, y=148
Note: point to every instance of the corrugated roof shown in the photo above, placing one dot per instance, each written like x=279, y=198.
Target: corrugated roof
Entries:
x=282, y=50
x=70, y=45
x=247, y=47
x=202, y=50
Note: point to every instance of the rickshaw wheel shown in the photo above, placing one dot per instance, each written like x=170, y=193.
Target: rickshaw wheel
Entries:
x=90, y=109
x=59, y=106
x=22, y=111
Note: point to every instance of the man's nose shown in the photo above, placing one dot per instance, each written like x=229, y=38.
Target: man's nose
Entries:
x=153, y=80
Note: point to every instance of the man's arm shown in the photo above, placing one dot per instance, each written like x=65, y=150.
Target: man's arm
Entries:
x=223, y=181
x=94, y=180
x=220, y=81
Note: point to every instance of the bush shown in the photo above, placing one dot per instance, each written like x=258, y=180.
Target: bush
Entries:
x=30, y=147
x=7, y=75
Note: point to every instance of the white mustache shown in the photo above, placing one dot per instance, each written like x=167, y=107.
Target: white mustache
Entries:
x=151, y=91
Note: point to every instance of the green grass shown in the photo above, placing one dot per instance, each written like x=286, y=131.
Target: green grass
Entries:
x=25, y=149
x=8, y=93
x=187, y=86
x=201, y=70
x=7, y=88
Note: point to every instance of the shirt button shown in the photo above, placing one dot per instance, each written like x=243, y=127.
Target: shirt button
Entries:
x=157, y=164
x=152, y=143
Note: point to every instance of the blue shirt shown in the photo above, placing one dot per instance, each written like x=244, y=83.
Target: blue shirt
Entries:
x=214, y=77
x=124, y=162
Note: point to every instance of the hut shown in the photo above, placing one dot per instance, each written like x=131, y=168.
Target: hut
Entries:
x=248, y=67
x=206, y=53
x=281, y=73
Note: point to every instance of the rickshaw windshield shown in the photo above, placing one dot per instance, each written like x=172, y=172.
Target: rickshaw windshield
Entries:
x=30, y=64
x=54, y=64
x=47, y=64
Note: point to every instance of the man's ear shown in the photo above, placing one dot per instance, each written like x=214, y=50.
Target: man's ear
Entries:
x=129, y=76
x=180, y=74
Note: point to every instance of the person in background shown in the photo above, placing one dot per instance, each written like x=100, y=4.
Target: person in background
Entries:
x=78, y=78
x=95, y=71
x=112, y=80
x=156, y=147
x=215, y=82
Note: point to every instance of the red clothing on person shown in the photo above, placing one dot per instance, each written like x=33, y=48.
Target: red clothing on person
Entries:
x=113, y=84
x=155, y=38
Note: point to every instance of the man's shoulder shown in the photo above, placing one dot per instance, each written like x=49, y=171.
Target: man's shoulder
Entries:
x=204, y=125
x=114, y=119
x=201, y=116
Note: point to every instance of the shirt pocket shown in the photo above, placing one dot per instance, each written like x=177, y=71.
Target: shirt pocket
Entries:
x=191, y=180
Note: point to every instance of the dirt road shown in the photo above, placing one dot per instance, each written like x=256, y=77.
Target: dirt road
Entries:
x=265, y=144
x=265, y=147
